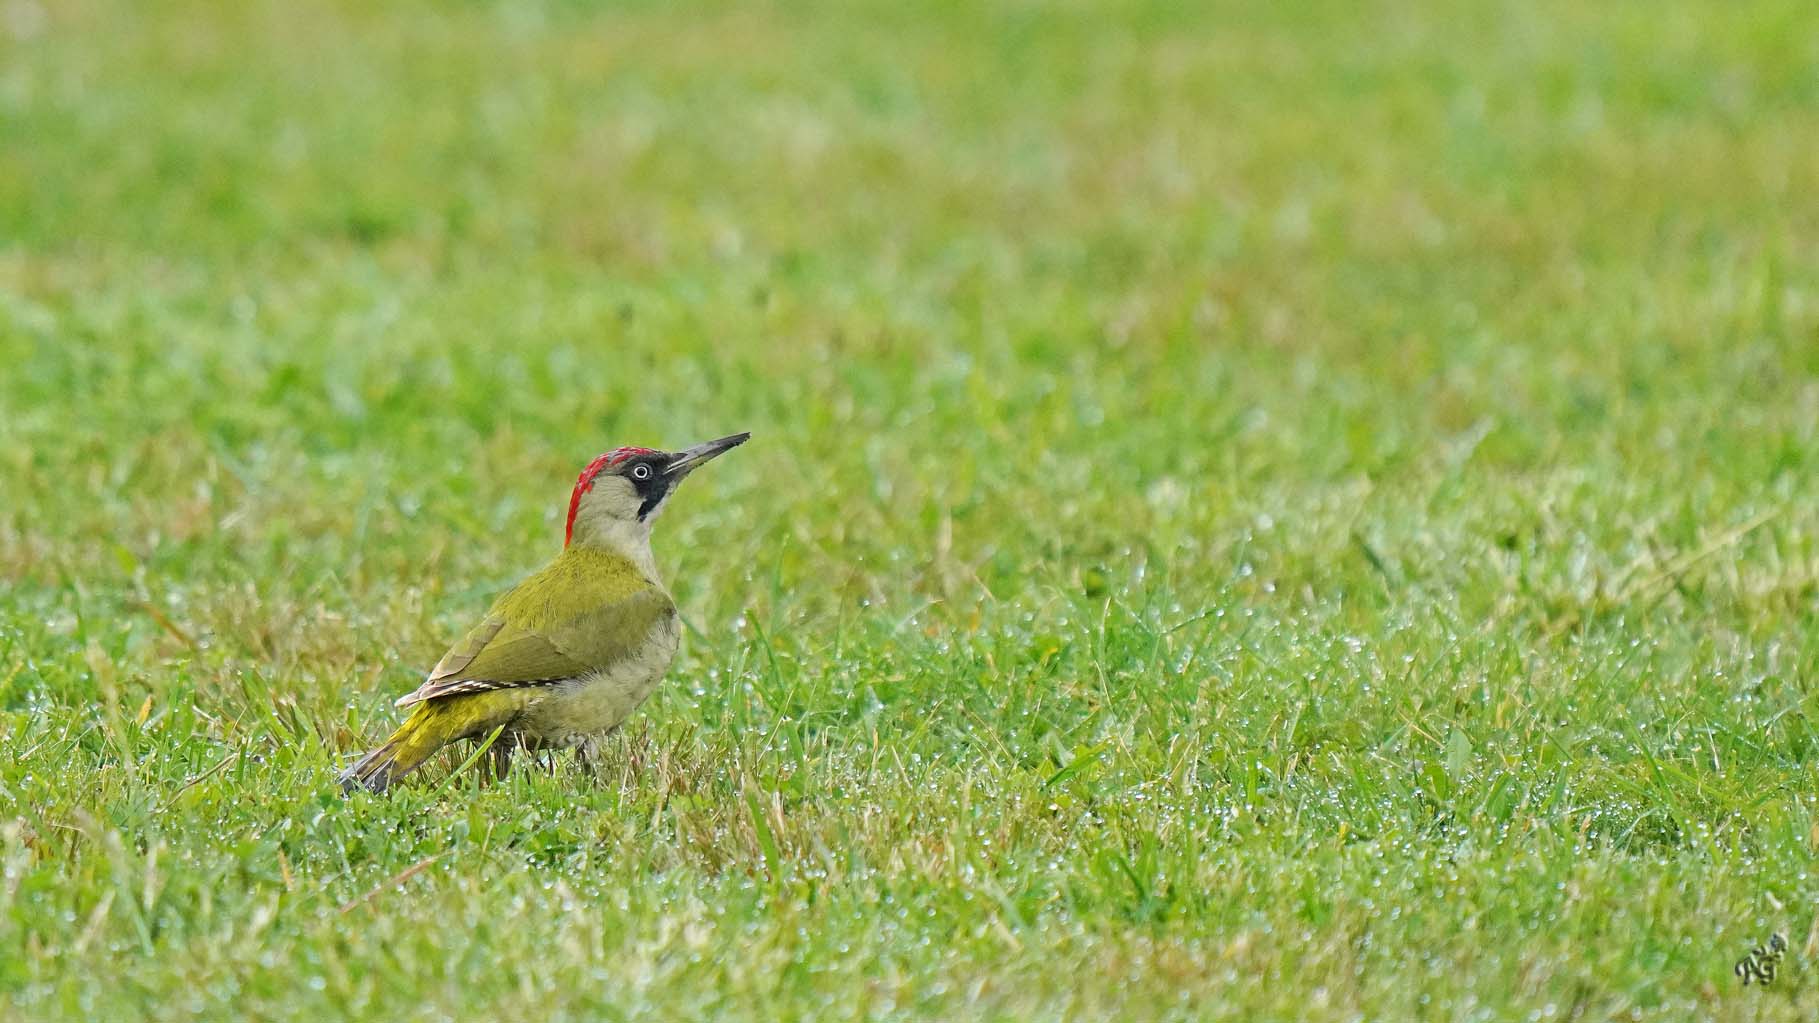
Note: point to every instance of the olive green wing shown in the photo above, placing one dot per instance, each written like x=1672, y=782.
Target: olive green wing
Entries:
x=496, y=655
x=618, y=630
x=522, y=644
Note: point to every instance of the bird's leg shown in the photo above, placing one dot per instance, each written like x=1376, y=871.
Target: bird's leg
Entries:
x=501, y=757
x=588, y=754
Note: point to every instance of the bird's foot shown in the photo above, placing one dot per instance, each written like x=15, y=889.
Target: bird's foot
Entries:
x=500, y=756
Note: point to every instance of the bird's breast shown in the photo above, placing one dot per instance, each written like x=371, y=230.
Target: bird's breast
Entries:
x=598, y=702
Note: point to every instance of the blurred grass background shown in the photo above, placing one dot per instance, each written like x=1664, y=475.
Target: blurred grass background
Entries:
x=1291, y=510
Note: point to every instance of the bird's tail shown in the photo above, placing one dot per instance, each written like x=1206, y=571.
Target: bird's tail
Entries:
x=432, y=725
x=408, y=747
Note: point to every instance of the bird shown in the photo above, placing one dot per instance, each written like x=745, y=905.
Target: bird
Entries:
x=564, y=657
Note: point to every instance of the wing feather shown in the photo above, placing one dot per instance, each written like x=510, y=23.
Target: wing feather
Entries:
x=502, y=653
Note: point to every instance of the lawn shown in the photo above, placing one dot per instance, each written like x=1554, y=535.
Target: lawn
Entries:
x=1275, y=511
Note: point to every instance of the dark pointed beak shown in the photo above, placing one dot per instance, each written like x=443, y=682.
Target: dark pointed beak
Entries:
x=686, y=461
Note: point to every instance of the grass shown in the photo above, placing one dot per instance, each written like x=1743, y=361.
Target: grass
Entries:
x=1303, y=511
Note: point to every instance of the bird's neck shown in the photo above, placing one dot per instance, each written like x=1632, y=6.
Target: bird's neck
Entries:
x=626, y=538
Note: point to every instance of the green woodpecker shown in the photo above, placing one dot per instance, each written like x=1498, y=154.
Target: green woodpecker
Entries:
x=566, y=655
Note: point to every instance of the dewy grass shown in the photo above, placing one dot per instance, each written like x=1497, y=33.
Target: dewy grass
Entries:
x=1253, y=513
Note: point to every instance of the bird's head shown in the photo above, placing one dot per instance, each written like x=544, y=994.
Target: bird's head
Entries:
x=619, y=493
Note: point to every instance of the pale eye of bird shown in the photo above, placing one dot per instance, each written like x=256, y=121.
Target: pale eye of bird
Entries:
x=641, y=472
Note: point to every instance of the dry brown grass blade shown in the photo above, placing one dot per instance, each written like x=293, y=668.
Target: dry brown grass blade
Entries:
x=392, y=882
